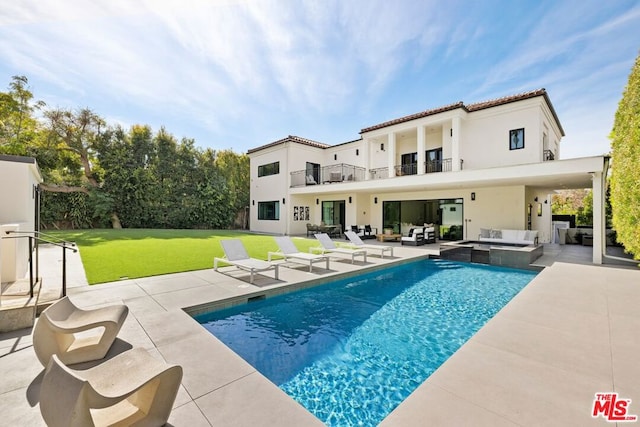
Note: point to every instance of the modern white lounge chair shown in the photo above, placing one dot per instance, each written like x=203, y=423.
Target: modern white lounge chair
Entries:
x=289, y=252
x=133, y=388
x=236, y=255
x=328, y=246
x=76, y=335
x=359, y=244
x=415, y=237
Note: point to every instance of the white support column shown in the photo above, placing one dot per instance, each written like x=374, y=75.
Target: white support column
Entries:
x=391, y=154
x=456, y=129
x=599, y=230
x=366, y=149
x=421, y=150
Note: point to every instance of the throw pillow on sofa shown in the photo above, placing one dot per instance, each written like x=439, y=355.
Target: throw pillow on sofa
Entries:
x=495, y=234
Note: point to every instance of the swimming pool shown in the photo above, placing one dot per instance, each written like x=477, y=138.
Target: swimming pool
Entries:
x=352, y=350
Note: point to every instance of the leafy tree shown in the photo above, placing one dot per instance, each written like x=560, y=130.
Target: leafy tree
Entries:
x=124, y=160
x=18, y=126
x=625, y=144
x=96, y=174
x=574, y=202
x=74, y=135
x=235, y=168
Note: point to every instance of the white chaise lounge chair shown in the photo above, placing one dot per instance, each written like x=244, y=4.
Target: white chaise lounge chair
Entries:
x=328, y=246
x=289, y=252
x=76, y=335
x=236, y=255
x=359, y=244
x=133, y=388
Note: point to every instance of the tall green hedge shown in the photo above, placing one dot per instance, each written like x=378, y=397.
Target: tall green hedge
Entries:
x=625, y=185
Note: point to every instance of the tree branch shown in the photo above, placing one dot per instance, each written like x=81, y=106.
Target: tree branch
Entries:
x=63, y=189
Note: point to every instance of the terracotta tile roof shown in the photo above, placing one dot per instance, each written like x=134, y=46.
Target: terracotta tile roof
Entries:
x=468, y=108
x=504, y=100
x=471, y=108
x=415, y=116
x=291, y=138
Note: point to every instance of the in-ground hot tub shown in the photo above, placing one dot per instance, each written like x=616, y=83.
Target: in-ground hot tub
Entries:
x=506, y=255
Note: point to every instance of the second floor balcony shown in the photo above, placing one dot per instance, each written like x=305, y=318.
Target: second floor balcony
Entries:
x=331, y=174
x=430, y=166
x=342, y=172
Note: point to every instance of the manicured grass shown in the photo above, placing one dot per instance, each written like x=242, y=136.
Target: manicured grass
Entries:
x=110, y=255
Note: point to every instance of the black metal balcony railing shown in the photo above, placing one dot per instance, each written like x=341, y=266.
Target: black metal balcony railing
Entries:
x=431, y=166
x=548, y=155
x=406, y=169
x=443, y=165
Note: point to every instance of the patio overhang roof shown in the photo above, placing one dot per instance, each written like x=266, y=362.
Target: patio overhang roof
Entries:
x=551, y=175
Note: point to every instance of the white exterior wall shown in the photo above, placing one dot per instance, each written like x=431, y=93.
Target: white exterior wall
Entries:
x=404, y=146
x=299, y=226
x=434, y=139
x=269, y=188
x=345, y=153
x=17, y=210
x=485, y=141
x=16, y=192
x=378, y=157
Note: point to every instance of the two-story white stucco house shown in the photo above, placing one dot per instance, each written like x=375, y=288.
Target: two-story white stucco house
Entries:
x=463, y=167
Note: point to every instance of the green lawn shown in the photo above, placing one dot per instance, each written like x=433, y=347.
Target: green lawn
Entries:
x=110, y=255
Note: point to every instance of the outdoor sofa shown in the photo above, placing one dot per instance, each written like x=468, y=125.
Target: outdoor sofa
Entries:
x=512, y=237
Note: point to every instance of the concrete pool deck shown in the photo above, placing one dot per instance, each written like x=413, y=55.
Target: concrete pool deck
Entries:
x=573, y=332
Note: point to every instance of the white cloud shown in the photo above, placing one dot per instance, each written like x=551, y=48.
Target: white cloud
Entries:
x=240, y=69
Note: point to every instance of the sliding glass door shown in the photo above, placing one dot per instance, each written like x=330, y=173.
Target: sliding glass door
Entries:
x=333, y=213
x=445, y=214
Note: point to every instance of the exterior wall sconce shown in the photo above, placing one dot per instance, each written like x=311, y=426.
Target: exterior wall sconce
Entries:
x=349, y=199
x=283, y=200
x=335, y=157
x=545, y=201
x=317, y=201
x=253, y=202
x=535, y=199
x=382, y=147
x=375, y=200
x=473, y=195
x=357, y=152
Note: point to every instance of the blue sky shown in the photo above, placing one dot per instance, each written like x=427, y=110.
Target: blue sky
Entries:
x=239, y=74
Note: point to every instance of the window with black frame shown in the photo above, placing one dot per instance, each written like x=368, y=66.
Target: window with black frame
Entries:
x=516, y=139
x=434, y=160
x=269, y=210
x=269, y=169
x=409, y=164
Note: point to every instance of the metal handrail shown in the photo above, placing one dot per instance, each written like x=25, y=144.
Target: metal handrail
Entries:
x=33, y=237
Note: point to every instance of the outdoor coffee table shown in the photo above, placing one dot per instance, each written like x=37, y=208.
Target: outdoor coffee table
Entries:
x=385, y=237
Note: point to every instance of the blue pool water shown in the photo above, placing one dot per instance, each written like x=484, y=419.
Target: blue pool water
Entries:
x=352, y=350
